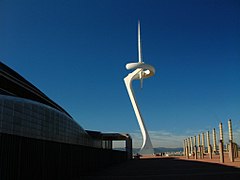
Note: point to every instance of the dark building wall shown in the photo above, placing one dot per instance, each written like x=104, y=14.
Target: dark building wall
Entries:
x=39, y=140
x=28, y=158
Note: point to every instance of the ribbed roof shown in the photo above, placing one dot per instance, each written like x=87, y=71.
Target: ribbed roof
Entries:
x=12, y=83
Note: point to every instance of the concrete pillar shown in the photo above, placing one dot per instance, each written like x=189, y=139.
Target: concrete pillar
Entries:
x=235, y=147
x=221, y=152
x=230, y=130
x=202, y=153
x=203, y=142
x=191, y=145
x=199, y=146
x=195, y=146
x=221, y=145
x=187, y=149
x=231, y=153
x=221, y=134
x=199, y=140
x=195, y=152
x=184, y=153
x=201, y=150
x=214, y=140
x=208, y=141
x=195, y=141
x=209, y=145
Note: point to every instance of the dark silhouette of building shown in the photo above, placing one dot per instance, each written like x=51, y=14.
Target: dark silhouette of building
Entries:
x=40, y=140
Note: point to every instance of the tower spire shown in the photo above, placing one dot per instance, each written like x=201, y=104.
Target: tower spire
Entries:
x=139, y=43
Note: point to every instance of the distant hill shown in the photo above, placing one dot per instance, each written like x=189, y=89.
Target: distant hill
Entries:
x=163, y=149
x=156, y=150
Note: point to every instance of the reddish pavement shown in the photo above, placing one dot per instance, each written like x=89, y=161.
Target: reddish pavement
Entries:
x=216, y=159
x=167, y=168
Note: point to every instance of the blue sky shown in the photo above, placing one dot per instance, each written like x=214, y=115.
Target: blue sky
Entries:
x=76, y=51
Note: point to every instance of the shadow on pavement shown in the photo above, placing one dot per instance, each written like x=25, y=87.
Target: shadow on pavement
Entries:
x=167, y=168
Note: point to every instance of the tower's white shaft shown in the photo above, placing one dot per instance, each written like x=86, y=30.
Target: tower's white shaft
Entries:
x=147, y=147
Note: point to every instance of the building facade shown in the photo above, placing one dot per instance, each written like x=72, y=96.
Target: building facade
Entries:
x=40, y=140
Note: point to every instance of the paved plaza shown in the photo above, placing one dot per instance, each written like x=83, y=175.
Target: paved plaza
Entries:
x=170, y=168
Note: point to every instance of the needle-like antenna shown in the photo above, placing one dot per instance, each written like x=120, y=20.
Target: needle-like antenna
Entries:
x=139, y=43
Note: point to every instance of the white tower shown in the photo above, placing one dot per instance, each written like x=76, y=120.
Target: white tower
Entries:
x=141, y=71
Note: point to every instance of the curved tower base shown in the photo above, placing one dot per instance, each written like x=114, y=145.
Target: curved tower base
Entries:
x=147, y=147
x=147, y=150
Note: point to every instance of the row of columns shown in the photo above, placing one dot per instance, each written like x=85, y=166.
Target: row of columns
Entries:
x=197, y=149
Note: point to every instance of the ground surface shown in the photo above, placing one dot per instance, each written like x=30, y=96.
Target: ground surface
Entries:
x=171, y=168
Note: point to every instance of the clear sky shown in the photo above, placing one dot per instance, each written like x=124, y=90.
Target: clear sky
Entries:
x=75, y=51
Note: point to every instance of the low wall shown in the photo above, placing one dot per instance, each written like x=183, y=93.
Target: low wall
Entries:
x=28, y=158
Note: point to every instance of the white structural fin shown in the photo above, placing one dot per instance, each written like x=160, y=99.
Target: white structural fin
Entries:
x=140, y=53
x=140, y=72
